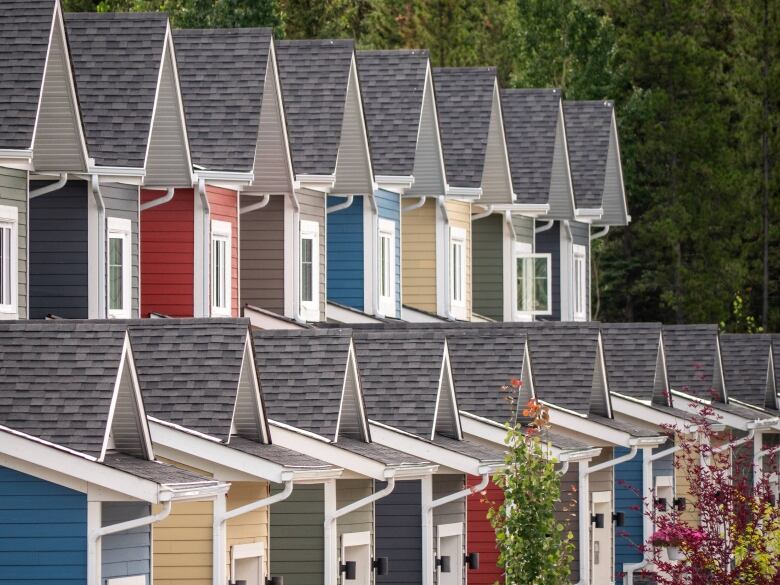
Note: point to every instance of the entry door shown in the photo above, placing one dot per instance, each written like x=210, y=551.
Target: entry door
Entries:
x=356, y=546
x=246, y=563
x=601, y=539
x=449, y=543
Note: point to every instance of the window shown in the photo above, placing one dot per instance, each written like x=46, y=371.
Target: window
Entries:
x=458, y=272
x=580, y=283
x=533, y=282
x=9, y=263
x=387, y=267
x=310, y=270
x=221, y=268
x=119, y=268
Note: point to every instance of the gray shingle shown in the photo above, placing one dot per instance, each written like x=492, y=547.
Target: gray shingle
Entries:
x=189, y=369
x=57, y=379
x=155, y=471
x=277, y=454
x=588, y=125
x=116, y=61
x=530, y=123
x=745, y=365
x=222, y=72
x=302, y=376
x=630, y=353
x=691, y=353
x=483, y=453
x=392, y=84
x=620, y=425
x=464, y=100
x=382, y=454
x=24, y=30
x=314, y=76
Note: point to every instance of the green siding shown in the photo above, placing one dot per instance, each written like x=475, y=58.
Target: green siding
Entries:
x=487, y=264
x=13, y=193
x=297, y=536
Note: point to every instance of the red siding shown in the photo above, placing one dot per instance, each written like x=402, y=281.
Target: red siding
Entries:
x=481, y=536
x=223, y=203
x=167, y=255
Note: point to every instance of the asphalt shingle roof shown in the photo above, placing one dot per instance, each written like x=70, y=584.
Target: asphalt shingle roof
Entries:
x=530, y=124
x=745, y=364
x=116, y=61
x=479, y=451
x=381, y=453
x=302, y=376
x=392, y=84
x=314, y=76
x=222, y=72
x=277, y=454
x=24, y=30
x=189, y=370
x=464, y=100
x=630, y=354
x=57, y=379
x=155, y=471
x=588, y=125
x=691, y=353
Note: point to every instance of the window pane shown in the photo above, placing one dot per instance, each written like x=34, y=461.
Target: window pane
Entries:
x=5, y=266
x=522, y=305
x=540, y=284
x=384, y=266
x=307, y=272
x=456, y=272
x=115, y=274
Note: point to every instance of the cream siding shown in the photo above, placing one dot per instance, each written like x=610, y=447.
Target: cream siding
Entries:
x=418, y=250
x=459, y=213
x=496, y=180
x=251, y=527
x=603, y=481
x=13, y=192
x=313, y=209
x=428, y=164
x=181, y=545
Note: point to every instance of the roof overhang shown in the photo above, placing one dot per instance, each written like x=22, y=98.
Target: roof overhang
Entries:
x=322, y=183
x=644, y=411
x=396, y=184
x=529, y=209
x=16, y=159
x=129, y=175
x=693, y=405
x=566, y=421
x=464, y=192
x=573, y=456
x=227, y=179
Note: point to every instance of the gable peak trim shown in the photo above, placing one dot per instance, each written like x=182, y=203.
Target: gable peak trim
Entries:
x=249, y=365
x=446, y=370
x=351, y=371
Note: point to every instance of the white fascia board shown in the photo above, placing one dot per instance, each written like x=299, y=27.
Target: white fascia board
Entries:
x=464, y=192
x=693, y=405
x=73, y=465
x=323, y=183
x=228, y=179
x=564, y=421
x=587, y=215
x=16, y=159
x=644, y=411
x=423, y=449
x=527, y=209
x=125, y=175
x=394, y=184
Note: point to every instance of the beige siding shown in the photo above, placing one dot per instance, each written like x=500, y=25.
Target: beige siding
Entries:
x=567, y=513
x=428, y=165
x=313, y=209
x=13, y=193
x=459, y=213
x=353, y=168
x=251, y=527
x=352, y=490
x=603, y=481
x=262, y=255
x=182, y=545
x=496, y=181
x=418, y=250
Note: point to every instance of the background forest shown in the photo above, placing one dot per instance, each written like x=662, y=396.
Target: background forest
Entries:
x=697, y=89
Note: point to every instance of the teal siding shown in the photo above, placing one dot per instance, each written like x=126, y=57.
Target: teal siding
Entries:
x=389, y=207
x=488, y=266
x=297, y=536
x=43, y=532
x=126, y=553
x=629, y=500
x=345, y=253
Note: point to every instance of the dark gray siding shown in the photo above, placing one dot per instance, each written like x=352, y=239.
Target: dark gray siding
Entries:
x=13, y=193
x=580, y=232
x=549, y=242
x=296, y=543
x=59, y=255
x=444, y=485
x=487, y=264
x=566, y=513
x=262, y=255
x=122, y=201
x=126, y=553
x=399, y=533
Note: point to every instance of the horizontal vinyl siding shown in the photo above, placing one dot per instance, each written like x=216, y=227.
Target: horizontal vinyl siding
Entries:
x=313, y=209
x=297, y=536
x=488, y=263
x=43, y=532
x=524, y=229
x=399, y=533
x=223, y=204
x=603, y=481
x=251, y=527
x=122, y=201
x=548, y=242
x=444, y=485
x=362, y=519
x=167, y=255
x=567, y=513
x=262, y=254
x=459, y=213
x=389, y=207
x=181, y=547
x=127, y=553
x=418, y=242
x=345, y=253
x=481, y=534
x=13, y=193
x=561, y=200
x=629, y=493
x=59, y=252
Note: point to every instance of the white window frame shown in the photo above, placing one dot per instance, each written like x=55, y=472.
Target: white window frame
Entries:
x=9, y=219
x=386, y=302
x=458, y=306
x=579, y=279
x=523, y=251
x=121, y=229
x=310, y=310
x=222, y=231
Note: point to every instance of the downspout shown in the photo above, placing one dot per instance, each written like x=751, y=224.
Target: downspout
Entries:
x=563, y=469
x=340, y=206
x=101, y=244
x=59, y=184
x=447, y=296
x=545, y=226
x=296, y=237
x=600, y=234
x=420, y=202
x=331, y=568
x=255, y=206
x=488, y=211
x=206, y=247
x=375, y=254
x=160, y=200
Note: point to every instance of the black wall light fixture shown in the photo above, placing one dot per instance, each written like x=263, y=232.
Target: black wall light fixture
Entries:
x=679, y=504
x=444, y=564
x=350, y=570
x=471, y=560
x=274, y=580
x=619, y=518
x=381, y=565
x=597, y=520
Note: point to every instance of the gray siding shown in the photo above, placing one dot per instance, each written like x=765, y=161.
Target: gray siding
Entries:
x=399, y=533
x=245, y=417
x=313, y=209
x=297, y=536
x=612, y=200
x=59, y=255
x=262, y=255
x=496, y=181
x=126, y=553
x=122, y=201
x=598, y=392
x=446, y=423
x=350, y=421
x=444, y=485
x=581, y=234
x=13, y=193
x=560, y=197
x=567, y=513
x=488, y=266
x=524, y=228
x=548, y=242
x=428, y=164
x=353, y=168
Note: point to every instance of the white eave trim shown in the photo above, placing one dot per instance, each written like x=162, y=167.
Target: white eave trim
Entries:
x=396, y=184
x=527, y=209
x=587, y=214
x=568, y=421
x=465, y=192
x=235, y=177
x=19, y=159
x=318, y=182
x=641, y=410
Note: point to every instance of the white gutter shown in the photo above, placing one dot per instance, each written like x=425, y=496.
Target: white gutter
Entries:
x=599, y=234
x=420, y=202
x=255, y=206
x=567, y=225
x=59, y=184
x=546, y=226
x=488, y=211
x=159, y=201
x=340, y=206
x=101, y=245
x=736, y=443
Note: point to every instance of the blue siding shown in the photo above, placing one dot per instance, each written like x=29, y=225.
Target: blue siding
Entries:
x=399, y=533
x=549, y=242
x=43, y=532
x=628, y=499
x=389, y=206
x=345, y=253
x=126, y=553
x=59, y=254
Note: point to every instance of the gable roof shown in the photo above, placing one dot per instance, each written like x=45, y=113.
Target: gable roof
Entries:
x=588, y=127
x=392, y=83
x=314, y=75
x=464, y=99
x=531, y=119
x=746, y=368
x=693, y=359
x=222, y=73
x=631, y=353
x=189, y=370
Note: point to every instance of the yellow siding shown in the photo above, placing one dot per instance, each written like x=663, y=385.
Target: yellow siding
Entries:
x=182, y=545
x=459, y=213
x=418, y=249
x=682, y=489
x=251, y=527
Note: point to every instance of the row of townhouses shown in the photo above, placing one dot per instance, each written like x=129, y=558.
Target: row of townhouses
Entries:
x=259, y=298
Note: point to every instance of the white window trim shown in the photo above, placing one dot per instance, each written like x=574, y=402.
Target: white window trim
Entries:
x=523, y=251
x=310, y=310
x=9, y=218
x=579, y=288
x=222, y=230
x=122, y=229
x=458, y=307
x=387, y=303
